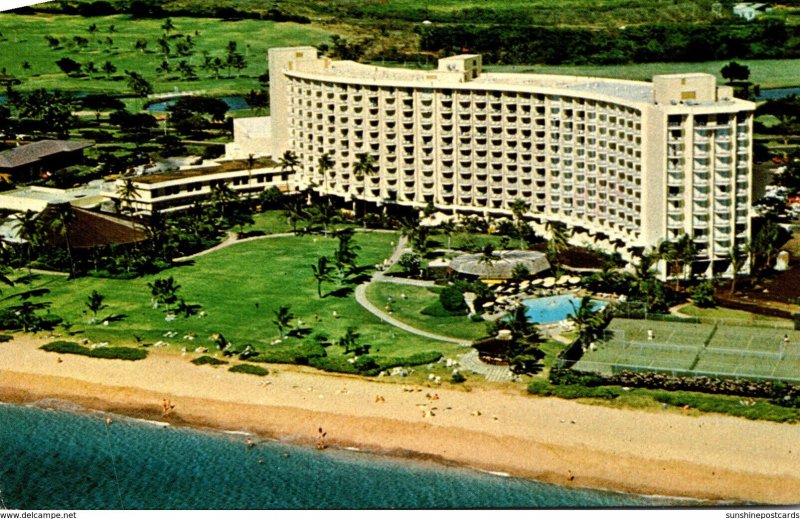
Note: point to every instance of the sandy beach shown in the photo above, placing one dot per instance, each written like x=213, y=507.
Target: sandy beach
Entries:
x=663, y=452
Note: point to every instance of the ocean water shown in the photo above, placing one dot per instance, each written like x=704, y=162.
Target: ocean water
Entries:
x=55, y=459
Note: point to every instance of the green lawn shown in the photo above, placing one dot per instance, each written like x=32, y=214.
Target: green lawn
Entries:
x=729, y=313
x=769, y=73
x=409, y=310
x=23, y=39
x=239, y=288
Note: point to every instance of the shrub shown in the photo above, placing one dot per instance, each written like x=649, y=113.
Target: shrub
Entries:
x=458, y=378
x=541, y=387
x=5, y=338
x=74, y=348
x=703, y=295
x=206, y=359
x=292, y=354
x=249, y=369
x=452, y=299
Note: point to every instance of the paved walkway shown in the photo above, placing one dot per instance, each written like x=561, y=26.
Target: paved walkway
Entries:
x=232, y=239
x=361, y=298
x=471, y=361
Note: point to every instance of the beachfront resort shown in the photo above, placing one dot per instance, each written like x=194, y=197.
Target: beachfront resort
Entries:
x=420, y=253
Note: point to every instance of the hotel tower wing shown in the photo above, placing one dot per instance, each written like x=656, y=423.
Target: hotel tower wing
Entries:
x=625, y=164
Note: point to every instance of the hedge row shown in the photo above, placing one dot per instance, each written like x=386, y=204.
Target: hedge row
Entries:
x=74, y=348
x=206, y=359
x=249, y=369
x=786, y=395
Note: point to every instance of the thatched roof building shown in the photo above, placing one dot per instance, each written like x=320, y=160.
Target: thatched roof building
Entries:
x=503, y=266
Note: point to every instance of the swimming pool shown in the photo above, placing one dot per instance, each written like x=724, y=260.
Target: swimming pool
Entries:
x=555, y=308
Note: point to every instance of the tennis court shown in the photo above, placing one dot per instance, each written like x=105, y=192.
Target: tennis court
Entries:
x=683, y=348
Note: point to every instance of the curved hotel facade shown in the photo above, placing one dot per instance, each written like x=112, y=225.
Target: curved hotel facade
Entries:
x=624, y=164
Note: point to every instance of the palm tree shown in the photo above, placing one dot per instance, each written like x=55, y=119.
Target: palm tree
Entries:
x=678, y=254
x=584, y=317
x=283, y=317
x=127, y=191
x=29, y=229
x=364, y=167
x=168, y=26
x=558, y=241
x=488, y=257
x=222, y=197
x=288, y=163
x=60, y=222
x=518, y=208
x=325, y=164
x=164, y=291
x=94, y=302
x=737, y=261
x=322, y=272
x=294, y=209
x=325, y=213
x=447, y=227
x=349, y=339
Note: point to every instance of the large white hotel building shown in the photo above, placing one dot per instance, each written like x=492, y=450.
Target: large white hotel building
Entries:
x=624, y=164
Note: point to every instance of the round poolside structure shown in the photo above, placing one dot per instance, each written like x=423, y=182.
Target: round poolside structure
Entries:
x=503, y=266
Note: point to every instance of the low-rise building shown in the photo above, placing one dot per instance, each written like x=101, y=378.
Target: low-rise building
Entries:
x=180, y=189
x=31, y=161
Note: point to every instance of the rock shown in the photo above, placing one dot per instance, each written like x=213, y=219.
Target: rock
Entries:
x=201, y=349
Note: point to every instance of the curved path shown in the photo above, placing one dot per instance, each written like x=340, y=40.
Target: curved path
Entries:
x=361, y=298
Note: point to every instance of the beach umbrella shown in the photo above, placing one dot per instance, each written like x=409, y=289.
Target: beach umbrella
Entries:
x=575, y=280
x=563, y=280
x=537, y=282
x=548, y=282
x=488, y=305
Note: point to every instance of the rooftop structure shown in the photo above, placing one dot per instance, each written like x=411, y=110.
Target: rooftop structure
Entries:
x=37, y=198
x=625, y=164
x=30, y=160
x=503, y=266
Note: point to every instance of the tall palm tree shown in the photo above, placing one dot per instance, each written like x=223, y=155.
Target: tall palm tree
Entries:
x=737, y=260
x=678, y=255
x=324, y=213
x=322, y=272
x=325, y=164
x=364, y=167
x=586, y=320
x=447, y=227
x=29, y=229
x=127, y=191
x=518, y=208
x=558, y=242
x=61, y=220
x=288, y=163
x=222, y=197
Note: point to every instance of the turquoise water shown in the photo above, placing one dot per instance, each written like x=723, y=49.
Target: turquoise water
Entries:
x=555, y=308
x=64, y=460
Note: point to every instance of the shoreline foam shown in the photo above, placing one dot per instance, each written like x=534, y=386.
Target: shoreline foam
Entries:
x=706, y=457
